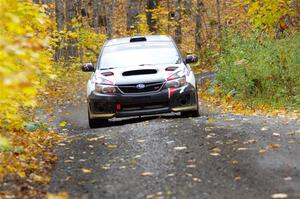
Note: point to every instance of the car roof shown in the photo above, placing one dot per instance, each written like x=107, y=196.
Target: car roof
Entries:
x=149, y=38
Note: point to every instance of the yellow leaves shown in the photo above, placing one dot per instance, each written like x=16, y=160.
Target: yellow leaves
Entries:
x=60, y=195
x=264, y=15
x=38, y=178
x=273, y=146
x=4, y=144
x=211, y=120
x=86, y=171
x=238, y=107
x=32, y=155
x=22, y=174
x=262, y=151
x=63, y=124
x=279, y=196
x=112, y=146
x=24, y=58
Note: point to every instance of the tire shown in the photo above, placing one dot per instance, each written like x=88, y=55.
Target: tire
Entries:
x=190, y=113
x=194, y=113
x=97, y=123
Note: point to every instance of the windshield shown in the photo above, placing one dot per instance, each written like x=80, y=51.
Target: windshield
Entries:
x=142, y=53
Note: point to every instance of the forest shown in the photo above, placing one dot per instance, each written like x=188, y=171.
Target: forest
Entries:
x=253, y=47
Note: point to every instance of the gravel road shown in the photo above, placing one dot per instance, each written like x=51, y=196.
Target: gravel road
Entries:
x=217, y=155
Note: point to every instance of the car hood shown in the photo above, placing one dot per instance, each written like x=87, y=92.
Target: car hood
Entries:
x=138, y=74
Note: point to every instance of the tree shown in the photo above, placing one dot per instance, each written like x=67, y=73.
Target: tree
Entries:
x=96, y=19
x=219, y=19
x=152, y=22
x=59, y=14
x=60, y=24
x=70, y=15
x=109, y=19
x=132, y=13
x=187, y=4
x=198, y=39
x=178, y=31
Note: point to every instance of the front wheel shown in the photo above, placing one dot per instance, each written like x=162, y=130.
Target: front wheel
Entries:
x=194, y=113
x=190, y=113
x=97, y=123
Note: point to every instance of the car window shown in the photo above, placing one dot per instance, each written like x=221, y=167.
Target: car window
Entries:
x=141, y=53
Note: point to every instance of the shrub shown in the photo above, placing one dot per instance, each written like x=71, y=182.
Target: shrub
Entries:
x=261, y=72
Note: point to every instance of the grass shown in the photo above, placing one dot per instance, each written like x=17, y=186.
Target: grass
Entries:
x=261, y=71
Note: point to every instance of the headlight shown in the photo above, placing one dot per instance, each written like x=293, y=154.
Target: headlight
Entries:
x=105, y=89
x=176, y=83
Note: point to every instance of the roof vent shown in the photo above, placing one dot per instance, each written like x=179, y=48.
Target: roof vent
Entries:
x=138, y=39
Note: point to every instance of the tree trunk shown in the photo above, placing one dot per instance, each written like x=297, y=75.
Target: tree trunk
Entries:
x=219, y=19
x=60, y=24
x=59, y=13
x=169, y=15
x=109, y=19
x=96, y=19
x=198, y=30
x=46, y=1
x=187, y=4
x=36, y=1
x=178, y=31
x=71, y=14
x=152, y=23
x=132, y=13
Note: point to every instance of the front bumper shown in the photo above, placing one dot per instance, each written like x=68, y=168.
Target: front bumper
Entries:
x=164, y=101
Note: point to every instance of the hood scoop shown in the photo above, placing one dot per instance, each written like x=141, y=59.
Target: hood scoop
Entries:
x=139, y=72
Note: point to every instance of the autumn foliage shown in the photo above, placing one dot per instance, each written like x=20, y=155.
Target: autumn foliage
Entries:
x=25, y=60
x=26, y=66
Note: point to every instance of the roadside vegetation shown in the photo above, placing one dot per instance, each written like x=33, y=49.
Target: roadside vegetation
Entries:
x=259, y=64
x=261, y=72
x=253, y=46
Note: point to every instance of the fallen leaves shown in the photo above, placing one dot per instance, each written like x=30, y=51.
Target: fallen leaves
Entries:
x=146, y=173
x=215, y=154
x=273, y=146
x=86, y=171
x=276, y=135
x=101, y=138
x=112, y=146
x=229, y=104
x=29, y=159
x=211, y=120
x=61, y=195
x=140, y=141
x=264, y=129
x=252, y=141
x=180, y=148
x=279, y=195
x=242, y=149
x=262, y=151
x=62, y=124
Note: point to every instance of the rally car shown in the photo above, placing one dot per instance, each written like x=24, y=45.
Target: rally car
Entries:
x=141, y=75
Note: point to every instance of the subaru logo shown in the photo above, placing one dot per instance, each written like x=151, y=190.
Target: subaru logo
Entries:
x=140, y=86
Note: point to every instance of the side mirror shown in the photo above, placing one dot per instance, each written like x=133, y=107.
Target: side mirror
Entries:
x=88, y=67
x=191, y=59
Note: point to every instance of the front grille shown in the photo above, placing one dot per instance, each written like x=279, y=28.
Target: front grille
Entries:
x=134, y=88
x=144, y=106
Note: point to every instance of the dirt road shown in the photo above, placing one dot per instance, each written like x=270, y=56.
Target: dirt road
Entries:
x=217, y=155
